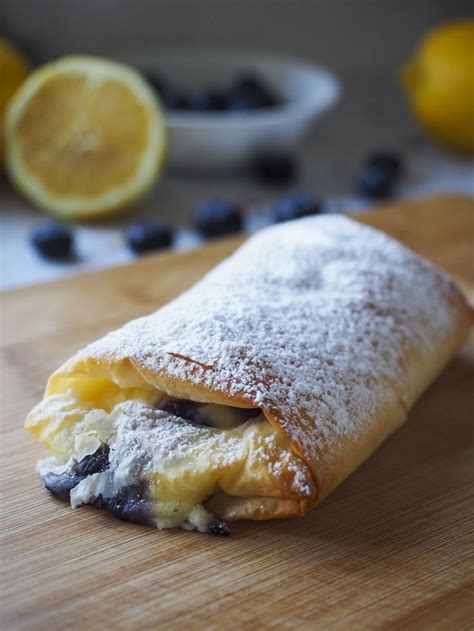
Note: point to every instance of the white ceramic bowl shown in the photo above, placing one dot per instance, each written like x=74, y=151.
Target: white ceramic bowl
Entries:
x=220, y=140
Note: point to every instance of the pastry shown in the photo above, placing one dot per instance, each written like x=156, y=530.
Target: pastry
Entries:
x=256, y=392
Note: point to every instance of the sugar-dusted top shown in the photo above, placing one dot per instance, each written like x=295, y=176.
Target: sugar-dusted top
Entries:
x=320, y=322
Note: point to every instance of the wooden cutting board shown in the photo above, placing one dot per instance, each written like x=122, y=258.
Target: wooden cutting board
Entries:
x=390, y=548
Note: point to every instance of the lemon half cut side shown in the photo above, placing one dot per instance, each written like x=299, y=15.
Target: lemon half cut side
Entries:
x=85, y=137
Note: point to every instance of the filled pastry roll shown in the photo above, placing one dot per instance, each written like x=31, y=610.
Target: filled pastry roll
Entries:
x=256, y=392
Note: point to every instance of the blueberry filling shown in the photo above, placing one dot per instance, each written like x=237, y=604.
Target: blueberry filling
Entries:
x=61, y=485
x=93, y=463
x=130, y=504
x=181, y=408
x=210, y=415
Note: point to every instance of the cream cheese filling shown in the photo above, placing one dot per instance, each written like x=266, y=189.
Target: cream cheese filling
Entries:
x=181, y=462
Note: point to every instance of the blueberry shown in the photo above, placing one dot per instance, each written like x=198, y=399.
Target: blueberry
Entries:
x=173, y=100
x=207, y=101
x=219, y=528
x=255, y=90
x=219, y=100
x=199, y=100
x=275, y=167
x=296, y=206
x=388, y=161
x=52, y=240
x=248, y=82
x=146, y=237
x=244, y=103
x=217, y=217
x=376, y=183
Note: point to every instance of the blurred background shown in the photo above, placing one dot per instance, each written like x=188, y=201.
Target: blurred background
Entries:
x=364, y=43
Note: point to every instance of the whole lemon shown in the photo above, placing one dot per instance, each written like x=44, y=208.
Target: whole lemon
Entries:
x=13, y=71
x=439, y=81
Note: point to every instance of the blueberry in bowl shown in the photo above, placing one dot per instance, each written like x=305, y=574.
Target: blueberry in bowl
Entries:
x=174, y=100
x=251, y=101
x=244, y=103
x=200, y=100
x=148, y=236
x=215, y=217
x=53, y=240
x=219, y=100
x=296, y=206
x=209, y=100
x=250, y=91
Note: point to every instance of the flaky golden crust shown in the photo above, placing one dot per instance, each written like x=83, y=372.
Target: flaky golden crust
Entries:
x=231, y=508
x=332, y=329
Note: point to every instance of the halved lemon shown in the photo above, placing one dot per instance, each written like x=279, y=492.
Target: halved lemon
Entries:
x=13, y=71
x=85, y=137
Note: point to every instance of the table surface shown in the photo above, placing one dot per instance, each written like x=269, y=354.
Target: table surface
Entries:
x=391, y=547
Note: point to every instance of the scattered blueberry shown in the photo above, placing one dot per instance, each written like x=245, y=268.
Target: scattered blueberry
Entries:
x=52, y=240
x=275, y=167
x=217, y=217
x=376, y=183
x=388, y=161
x=296, y=206
x=219, y=528
x=146, y=237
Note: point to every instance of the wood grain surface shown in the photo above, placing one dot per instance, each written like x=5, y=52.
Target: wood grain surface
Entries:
x=391, y=548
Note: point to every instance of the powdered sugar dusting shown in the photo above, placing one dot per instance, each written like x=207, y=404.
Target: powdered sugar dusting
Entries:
x=312, y=319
